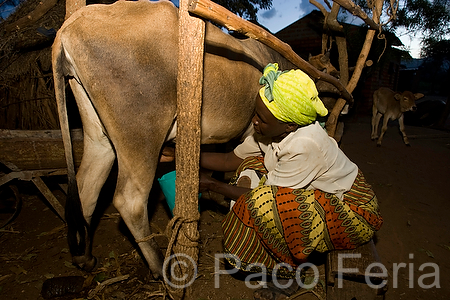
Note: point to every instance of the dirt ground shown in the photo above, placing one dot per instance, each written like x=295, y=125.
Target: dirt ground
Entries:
x=411, y=184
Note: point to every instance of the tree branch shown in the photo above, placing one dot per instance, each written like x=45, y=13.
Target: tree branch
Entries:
x=357, y=11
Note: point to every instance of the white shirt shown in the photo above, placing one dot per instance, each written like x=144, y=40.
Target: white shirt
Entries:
x=306, y=158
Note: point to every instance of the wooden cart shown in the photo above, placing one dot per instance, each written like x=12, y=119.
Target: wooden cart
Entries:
x=32, y=154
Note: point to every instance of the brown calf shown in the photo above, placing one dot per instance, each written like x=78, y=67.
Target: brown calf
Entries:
x=392, y=105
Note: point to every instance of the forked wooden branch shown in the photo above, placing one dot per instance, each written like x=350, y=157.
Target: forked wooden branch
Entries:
x=357, y=11
x=216, y=13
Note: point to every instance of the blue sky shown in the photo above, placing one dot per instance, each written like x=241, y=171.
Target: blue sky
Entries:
x=284, y=13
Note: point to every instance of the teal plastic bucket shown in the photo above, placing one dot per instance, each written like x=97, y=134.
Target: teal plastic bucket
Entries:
x=167, y=183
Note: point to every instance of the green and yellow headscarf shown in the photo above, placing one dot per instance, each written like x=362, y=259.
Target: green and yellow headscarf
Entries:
x=291, y=96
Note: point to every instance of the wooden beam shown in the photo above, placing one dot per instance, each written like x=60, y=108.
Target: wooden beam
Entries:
x=37, y=149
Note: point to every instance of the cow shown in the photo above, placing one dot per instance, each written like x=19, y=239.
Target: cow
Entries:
x=392, y=105
x=121, y=63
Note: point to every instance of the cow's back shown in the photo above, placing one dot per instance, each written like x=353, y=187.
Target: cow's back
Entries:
x=128, y=53
x=125, y=57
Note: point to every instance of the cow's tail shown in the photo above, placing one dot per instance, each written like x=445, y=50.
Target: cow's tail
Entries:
x=78, y=229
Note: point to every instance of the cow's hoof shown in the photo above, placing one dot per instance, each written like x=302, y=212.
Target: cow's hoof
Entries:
x=378, y=145
x=88, y=265
x=408, y=145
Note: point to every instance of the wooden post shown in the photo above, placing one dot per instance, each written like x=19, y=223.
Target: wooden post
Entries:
x=189, y=101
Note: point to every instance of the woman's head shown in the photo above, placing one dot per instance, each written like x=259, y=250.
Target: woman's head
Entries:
x=291, y=96
x=267, y=125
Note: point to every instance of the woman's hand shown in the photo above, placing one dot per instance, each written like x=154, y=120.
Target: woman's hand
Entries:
x=205, y=182
x=208, y=183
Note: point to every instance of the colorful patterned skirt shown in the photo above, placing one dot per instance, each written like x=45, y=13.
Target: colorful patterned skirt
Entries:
x=273, y=226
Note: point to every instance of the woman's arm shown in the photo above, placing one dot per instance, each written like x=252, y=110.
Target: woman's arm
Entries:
x=224, y=162
x=230, y=191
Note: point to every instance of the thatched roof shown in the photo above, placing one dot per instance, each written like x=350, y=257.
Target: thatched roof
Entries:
x=26, y=86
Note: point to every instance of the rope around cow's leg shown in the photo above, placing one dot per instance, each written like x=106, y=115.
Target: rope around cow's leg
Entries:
x=148, y=238
x=178, y=221
x=172, y=231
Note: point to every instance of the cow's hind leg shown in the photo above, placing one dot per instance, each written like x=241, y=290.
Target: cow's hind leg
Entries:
x=402, y=130
x=131, y=199
x=98, y=159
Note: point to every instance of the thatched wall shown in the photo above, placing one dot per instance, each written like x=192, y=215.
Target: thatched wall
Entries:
x=26, y=85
